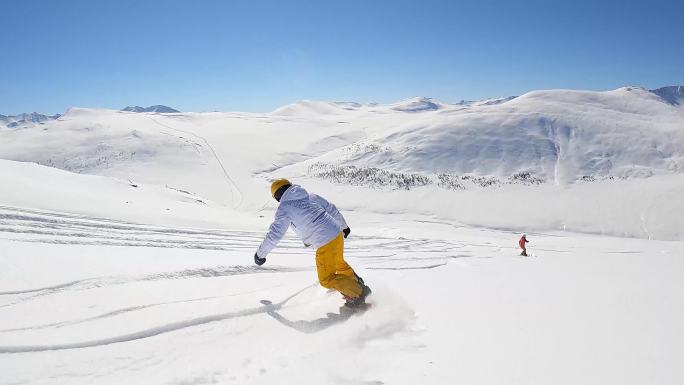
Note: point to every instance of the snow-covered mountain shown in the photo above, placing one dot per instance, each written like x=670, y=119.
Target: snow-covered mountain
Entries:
x=156, y=108
x=673, y=94
x=560, y=135
x=417, y=104
x=25, y=119
x=549, y=138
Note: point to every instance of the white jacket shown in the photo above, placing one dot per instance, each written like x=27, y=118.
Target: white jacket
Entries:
x=313, y=218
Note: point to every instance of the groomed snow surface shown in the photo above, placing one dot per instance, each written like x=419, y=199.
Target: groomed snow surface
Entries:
x=126, y=243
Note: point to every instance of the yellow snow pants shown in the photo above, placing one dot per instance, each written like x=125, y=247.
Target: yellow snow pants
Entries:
x=333, y=271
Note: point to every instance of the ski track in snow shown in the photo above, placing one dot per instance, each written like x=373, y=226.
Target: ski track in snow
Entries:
x=151, y=332
x=408, y=268
x=104, y=315
x=94, y=283
x=233, y=186
x=27, y=225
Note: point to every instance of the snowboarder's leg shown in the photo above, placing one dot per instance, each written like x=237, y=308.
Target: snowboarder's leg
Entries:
x=326, y=265
x=341, y=266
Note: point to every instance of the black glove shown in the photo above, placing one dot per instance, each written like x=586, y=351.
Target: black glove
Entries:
x=346, y=232
x=258, y=260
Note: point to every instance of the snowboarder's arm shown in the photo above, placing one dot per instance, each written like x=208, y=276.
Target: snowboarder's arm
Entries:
x=276, y=232
x=330, y=209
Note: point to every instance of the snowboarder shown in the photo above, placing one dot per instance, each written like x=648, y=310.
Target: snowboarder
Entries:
x=318, y=223
x=523, y=240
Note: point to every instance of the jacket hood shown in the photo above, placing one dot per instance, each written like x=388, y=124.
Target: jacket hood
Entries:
x=295, y=192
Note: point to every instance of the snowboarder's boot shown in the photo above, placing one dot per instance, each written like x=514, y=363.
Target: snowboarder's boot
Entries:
x=524, y=253
x=358, y=301
x=355, y=305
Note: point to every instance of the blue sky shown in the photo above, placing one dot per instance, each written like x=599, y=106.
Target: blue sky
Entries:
x=258, y=55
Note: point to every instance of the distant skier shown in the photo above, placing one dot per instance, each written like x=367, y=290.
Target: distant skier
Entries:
x=318, y=223
x=523, y=240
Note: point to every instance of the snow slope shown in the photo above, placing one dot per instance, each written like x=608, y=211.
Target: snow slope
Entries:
x=48, y=189
x=601, y=312
x=94, y=300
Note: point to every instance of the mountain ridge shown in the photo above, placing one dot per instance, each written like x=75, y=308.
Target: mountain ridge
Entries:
x=158, y=108
x=12, y=121
x=671, y=94
x=559, y=136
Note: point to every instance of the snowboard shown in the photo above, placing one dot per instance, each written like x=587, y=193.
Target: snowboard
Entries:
x=346, y=311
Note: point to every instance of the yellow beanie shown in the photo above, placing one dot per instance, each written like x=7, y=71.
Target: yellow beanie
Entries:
x=278, y=183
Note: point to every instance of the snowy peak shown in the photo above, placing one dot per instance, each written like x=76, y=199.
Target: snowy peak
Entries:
x=23, y=119
x=133, y=109
x=418, y=104
x=493, y=101
x=156, y=108
x=672, y=94
x=161, y=109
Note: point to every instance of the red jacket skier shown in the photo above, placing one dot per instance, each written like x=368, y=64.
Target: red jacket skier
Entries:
x=523, y=240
